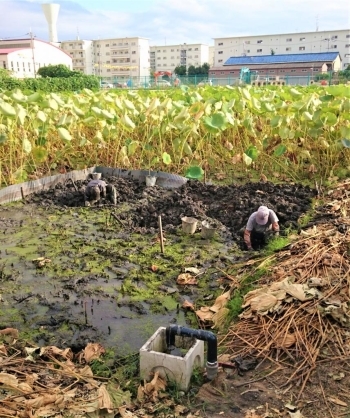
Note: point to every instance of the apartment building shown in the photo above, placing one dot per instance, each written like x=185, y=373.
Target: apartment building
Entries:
x=82, y=54
x=168, y=57
x=115, y=59
x=287, y=43
x=24, y=57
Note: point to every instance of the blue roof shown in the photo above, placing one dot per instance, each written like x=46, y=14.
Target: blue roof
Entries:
x=283, y=58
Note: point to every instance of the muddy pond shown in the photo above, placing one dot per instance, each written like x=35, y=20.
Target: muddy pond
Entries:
x=71, y=274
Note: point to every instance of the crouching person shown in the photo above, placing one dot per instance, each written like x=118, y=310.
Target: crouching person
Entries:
x=261, y=226
x=98, y=190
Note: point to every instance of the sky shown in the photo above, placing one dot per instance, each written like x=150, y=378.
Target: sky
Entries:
x=173, y=22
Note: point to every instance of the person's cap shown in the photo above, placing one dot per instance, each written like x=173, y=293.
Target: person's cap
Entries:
x=262, y=215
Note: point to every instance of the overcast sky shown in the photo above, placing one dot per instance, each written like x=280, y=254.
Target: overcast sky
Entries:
x=173, y=21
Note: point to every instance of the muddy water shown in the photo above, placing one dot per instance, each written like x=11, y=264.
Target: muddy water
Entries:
x=97, y=282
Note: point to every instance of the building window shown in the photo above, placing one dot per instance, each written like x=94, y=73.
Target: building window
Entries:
x=292, y=71
x=289, y=40
x=164, y=50
x=259, y=41
x=316, y=70
x=220, y=52
x=164, y=58
x=232, y=72
x=70, y=44
x=220, y=61
x=248, y=50
x=347, y=36
x=114, y=44
x=106, y=45
x=282, y=71
x=133, y=43
x=304, y=70
x=133, y=61
x=133, y=52
x=271, y=71
x=288, y=49
x=259, y=50
x=196, y=56
x=333, y=46
x=172, y=58
x=220, y=43
x=196, y=49
x=247, y=42
x=347, y=46
x=301, y=48
x=190, y=49
x=158, y=58
x=302, y=39
x=98, y=46
x=335, y=37
x=107, y=53
x=158, y=50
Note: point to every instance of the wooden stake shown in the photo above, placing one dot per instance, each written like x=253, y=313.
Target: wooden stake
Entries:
x=22, y=194
x=161, y=234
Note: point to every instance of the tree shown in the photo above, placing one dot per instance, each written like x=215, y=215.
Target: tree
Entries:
x=345, y=73
x=59, y=70
x=205, y=68
x=4, y=74
x=192, y=70
x=180, y=70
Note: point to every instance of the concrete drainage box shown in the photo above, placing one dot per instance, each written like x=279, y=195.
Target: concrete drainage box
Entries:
x=177, y=368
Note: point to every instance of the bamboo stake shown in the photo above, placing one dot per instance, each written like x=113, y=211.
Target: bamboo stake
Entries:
x=161, y=234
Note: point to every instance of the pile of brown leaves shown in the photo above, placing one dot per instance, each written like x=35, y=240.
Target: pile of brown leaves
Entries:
x=49, y=381
x=300, y=317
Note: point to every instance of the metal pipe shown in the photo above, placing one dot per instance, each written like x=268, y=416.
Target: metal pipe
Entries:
x=212, y=352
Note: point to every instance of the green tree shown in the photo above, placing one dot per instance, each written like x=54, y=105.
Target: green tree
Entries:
x=4, y=74
x=59, y=70
x=180, y=70
x=345, y=74
x=205, y=68
x=191, y=70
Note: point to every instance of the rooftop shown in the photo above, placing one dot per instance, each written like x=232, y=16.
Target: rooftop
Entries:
x=283, y=58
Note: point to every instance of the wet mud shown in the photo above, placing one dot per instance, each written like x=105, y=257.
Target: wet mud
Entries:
x=101, y=275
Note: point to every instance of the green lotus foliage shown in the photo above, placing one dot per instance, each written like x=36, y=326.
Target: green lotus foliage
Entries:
x=275, y=129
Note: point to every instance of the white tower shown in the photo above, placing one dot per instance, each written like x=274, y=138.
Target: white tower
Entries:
x=51, y=13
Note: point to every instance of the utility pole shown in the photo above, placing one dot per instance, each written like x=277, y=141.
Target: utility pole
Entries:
x=32, y=47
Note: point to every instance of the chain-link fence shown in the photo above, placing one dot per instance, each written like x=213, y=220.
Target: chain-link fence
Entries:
x=201, y=80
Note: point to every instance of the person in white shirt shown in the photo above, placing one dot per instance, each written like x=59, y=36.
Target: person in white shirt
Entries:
x=260, y=226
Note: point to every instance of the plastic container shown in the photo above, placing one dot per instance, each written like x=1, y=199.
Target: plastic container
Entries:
x=189, y=225
x=151, y=181
x=208, y=230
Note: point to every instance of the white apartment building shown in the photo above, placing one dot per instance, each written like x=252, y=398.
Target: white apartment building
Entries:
x=82, y=54
x=168, y=57
x=211, y=61
x=114, y=59
x=287, y=43
x=24, y=57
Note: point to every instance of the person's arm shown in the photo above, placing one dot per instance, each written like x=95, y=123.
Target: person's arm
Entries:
x=275, y=225
x=246, y=238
